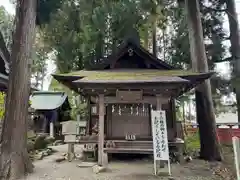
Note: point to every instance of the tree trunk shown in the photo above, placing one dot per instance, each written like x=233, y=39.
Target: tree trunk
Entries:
x=14, y=159
x=235, y=46
x=184, y=118
x=146, y=38
x=210, y=148
x=164, y=45
x=154, y=38
x=99, y=47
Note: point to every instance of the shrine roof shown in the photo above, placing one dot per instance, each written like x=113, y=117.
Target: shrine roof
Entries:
x=4, y=57
x=4, y=64
x=179, y=80
x=141, y=54
x=130, y=76
x=54, y=100
x=3, y=82
x=126, y=74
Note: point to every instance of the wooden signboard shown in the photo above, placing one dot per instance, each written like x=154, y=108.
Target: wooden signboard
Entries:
x=69, y=128
x=129, y=95
x=160, y=139
x=236, y=149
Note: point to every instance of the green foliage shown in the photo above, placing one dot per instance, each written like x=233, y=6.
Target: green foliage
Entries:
x=192, y=142
x=39, y=65
x=75, y=107
x=44, y=10
x=83, y=32
x=214, y=35
x=2, y=105
x=39, y=52
x=81, y=110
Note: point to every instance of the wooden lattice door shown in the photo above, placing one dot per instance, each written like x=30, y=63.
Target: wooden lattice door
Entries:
x=130, y=119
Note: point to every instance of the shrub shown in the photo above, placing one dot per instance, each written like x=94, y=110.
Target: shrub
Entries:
x=2, y=105
x=192, y=142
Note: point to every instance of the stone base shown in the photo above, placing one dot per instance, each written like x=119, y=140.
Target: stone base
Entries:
x=98, y=169
x=90, y=156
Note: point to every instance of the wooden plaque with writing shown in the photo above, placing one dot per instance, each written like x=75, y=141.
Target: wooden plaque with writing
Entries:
x=129, y=95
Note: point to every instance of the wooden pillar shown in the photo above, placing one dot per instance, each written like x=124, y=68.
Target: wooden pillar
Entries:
x=89, y=115
x=174, y=118
x=159, y=104
x=159, y=108
x=101, y=130
x=51, y=130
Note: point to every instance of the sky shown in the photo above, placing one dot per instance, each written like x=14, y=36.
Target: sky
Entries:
x=223, y=68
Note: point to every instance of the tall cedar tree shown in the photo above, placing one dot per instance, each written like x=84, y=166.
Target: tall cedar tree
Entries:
x=210, y=149
x=235, y=48
x=14, y=158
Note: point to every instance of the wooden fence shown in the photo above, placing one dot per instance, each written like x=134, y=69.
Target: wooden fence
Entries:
x=224, y=134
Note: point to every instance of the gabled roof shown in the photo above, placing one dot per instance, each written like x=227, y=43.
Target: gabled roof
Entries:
x=3, y=82
x=4, y=57
x=123, y=48
x=45, y=100
x=119, y=77
x=4, y=65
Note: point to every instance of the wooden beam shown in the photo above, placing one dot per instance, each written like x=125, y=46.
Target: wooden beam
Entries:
x=109, y=121
x=146, y=92
x=159, y=102
x=174, y=118
x=113, y=100
x=89, y=117
x=101, y=130
x=51, y=130
x=156, y=87
x=145, y=99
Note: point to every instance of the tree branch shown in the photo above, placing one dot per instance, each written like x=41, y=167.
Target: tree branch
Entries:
x=229, y=59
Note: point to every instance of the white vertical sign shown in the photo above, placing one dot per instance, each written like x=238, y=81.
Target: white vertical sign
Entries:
x=160, y=139
x=236, y=149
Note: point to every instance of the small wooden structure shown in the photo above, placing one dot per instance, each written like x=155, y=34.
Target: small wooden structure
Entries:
x=121, y=90
x=49, y=111
x=4, y=67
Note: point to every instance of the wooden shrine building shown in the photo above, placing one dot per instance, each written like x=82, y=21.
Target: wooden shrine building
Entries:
x=49, y=109
x=122, y=89
x=4, y=66
x=4, y=69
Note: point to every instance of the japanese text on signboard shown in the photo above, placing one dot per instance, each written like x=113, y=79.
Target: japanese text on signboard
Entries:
x=160, y=140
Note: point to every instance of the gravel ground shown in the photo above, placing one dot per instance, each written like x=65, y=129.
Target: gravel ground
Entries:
x=48, y=169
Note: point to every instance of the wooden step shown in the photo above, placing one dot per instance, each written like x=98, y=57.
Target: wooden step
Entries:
x=128, y=150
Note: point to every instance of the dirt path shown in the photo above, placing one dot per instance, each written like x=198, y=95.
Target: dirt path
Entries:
x=48, y=169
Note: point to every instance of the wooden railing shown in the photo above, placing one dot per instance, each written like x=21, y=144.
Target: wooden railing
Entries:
x=224, y=134
x=229, y=125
